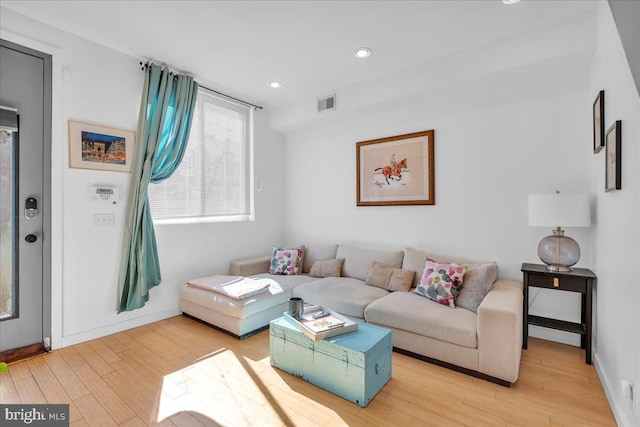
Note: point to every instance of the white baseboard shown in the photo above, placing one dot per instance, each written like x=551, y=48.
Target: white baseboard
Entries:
x=117, y=327
x=623, y=419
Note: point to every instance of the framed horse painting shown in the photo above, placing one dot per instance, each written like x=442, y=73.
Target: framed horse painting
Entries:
x=397, y=170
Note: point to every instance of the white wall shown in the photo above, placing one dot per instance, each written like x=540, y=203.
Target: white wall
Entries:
x=499, y=136
x=616, y=234
x=104, y=88
x=626, y=15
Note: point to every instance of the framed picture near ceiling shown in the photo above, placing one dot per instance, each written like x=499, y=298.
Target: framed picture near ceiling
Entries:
x=100, y=147
x=613, y=168
x=397, y=170
x=598, y=122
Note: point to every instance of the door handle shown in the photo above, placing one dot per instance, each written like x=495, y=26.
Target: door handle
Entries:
x=31, y=238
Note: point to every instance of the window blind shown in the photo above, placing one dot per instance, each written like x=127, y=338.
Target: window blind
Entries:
x=214, y=178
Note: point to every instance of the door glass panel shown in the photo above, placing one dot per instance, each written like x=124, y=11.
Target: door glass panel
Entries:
x=7, y=225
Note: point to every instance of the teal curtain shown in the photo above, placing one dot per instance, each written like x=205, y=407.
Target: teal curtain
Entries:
x=166, y=112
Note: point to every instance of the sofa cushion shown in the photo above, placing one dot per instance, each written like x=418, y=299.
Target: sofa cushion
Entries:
x=327, y=268
x=358, y=260
x=391, y=279
x=286, y=261
x=342, y=294
x=317, y=252
x=413, y=313
x=441, y=282
x=478, y=281
x=414, y=260
x=287, y=282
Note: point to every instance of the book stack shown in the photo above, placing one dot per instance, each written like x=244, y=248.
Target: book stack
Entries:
x=318, y=328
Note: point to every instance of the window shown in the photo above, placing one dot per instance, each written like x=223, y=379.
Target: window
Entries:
x=214, y=180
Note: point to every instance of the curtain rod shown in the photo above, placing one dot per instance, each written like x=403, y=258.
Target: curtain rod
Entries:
x=144, y=66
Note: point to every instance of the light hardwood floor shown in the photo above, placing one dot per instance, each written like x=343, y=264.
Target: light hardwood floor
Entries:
x=180, y=372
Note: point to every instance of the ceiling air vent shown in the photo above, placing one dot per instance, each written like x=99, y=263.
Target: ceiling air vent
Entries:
x=327, y=103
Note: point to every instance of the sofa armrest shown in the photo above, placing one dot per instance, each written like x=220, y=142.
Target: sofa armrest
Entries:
x=249, y=267
x=500, y=330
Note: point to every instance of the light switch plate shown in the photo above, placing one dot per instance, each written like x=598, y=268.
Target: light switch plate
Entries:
x=104, y=220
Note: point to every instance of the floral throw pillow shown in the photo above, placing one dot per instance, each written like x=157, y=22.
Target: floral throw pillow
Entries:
x=285, y=261
x=441, y=281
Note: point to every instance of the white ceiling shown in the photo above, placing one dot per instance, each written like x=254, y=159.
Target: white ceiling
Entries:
x=241, y=46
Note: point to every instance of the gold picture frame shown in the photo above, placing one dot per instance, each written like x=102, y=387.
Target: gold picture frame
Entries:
x=397, y=170
x=100, y=147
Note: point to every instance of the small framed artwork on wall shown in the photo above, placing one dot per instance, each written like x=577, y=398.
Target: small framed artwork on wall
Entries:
x=598, y=122
x=613, y=168
x=100, y=147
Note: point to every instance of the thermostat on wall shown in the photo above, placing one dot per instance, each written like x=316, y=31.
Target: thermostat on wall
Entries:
x=104, y=195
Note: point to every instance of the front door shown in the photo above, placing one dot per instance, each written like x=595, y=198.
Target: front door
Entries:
x=25, y=97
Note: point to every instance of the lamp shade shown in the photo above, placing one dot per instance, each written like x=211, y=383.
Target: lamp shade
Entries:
x=559, y=210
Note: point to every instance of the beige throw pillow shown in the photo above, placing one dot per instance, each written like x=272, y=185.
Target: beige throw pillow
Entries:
x=327, y=268
x=391, y=279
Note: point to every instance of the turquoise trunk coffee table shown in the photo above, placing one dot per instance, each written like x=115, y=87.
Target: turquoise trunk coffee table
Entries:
x=354, y=366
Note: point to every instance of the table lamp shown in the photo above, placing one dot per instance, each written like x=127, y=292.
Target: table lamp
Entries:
x=558, y=210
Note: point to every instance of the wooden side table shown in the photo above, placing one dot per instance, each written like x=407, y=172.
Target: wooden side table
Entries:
x=577, y=280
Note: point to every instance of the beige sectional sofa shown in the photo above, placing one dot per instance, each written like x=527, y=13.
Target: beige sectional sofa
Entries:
x=486, y=344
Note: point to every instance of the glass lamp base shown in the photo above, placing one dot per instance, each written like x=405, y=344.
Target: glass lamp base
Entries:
x=558, y=268
x=558, y=251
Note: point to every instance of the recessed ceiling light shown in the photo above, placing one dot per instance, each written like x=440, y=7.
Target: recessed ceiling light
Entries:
x=362, y=52
x=510, y=1
x=275, y=85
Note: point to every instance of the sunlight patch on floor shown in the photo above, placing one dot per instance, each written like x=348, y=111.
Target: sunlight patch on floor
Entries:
x=219, y=388
x=229, y=388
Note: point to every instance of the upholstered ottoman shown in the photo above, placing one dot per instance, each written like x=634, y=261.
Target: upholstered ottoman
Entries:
x=354, y=366
x=240, y=317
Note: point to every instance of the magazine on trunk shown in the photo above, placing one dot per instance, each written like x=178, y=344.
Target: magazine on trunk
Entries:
x=321, y=324
x=329, y=324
